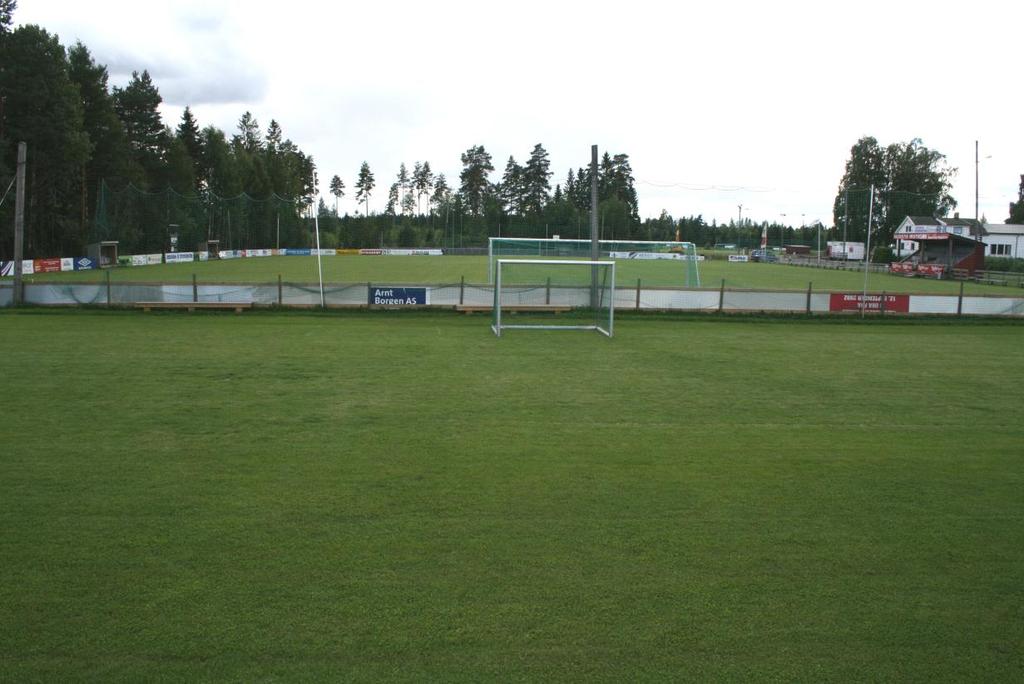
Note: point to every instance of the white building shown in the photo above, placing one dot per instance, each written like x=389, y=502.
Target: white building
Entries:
x=1004, y=240
x=1001, y=239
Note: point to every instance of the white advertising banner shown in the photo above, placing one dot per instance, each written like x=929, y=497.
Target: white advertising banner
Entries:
x=646, y=255
x=139, y=259
x=179, y=257
x=413, y=252
x=67, y=264
x=154, y=259
x=739, y=257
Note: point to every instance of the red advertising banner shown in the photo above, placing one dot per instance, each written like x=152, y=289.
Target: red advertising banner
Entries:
x=901, y=267
x=931, y=269
x=897, y=303
x=46, y=265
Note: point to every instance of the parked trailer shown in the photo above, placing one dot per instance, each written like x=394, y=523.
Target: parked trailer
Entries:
x=845, y=251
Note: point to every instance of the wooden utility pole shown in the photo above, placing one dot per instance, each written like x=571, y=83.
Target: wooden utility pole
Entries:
x=19, y=225
x=595, y=247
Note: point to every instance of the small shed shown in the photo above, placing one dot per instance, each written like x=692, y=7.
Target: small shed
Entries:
x=103, y=253
x=211, y=247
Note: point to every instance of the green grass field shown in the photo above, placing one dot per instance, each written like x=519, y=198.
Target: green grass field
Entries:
x=449, y=269
x=275, y=496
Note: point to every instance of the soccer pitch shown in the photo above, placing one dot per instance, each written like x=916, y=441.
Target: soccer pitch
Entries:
x=402, y=496
x=451, y=269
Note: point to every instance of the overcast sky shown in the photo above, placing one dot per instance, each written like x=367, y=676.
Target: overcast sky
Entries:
x=717, y=103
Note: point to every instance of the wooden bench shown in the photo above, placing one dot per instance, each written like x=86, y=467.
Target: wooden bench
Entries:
x=192, y=306
x=545, y=308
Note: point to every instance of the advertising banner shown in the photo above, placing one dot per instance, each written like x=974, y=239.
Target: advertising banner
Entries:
x=155, y=259
x=896, y=303
x=84, y=264
x=298, y=252
x=371, y=252
x=323, y=252
x=6, y=268
x=46, y=266
x=739, y=257
x=646, y=255
x=139, y=259
x=901, y=267
x=931, y=270
x=348, y=252
x=412, y=252
x=27, y=267
x=179, y=257
x=204, y=256
x=67, y=264
x=398, y=296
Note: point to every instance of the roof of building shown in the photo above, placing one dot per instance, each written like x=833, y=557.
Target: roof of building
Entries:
x=1005, y=228
x=976, y=226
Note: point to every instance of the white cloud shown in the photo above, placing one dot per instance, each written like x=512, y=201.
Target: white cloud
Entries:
x=767, y=96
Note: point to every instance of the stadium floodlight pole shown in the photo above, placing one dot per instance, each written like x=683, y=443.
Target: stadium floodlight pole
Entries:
x=867, y=252
x=595, y=247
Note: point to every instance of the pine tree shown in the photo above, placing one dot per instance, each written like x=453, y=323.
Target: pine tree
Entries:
x=110, y=156
x=511, y=187
x=441, y=191
x=338, y=190
x=7, y=8
x=137, y=105
x=364, y=186
x=249, y=137
x=422, y=181
x=43, y=108
x=391, y=208
x=188, y=134
x=476, y=166
x=536, y=180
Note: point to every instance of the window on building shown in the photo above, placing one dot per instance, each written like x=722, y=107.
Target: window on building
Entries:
x=999, y=250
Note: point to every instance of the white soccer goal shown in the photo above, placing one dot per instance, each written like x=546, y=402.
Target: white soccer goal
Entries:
x=529, y=292
x=670, y=264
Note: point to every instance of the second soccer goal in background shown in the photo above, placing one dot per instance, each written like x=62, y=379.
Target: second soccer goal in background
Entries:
x=668, y=264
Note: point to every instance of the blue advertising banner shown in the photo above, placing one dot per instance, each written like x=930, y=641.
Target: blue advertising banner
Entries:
x=298, y=252
x=84, y=264
x=398, y=296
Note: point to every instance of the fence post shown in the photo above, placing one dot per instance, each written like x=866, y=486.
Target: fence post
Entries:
x=280, y=291
x=637, y=294
x=960, y=301
x=809, y=297
x=462, y=290
x=108, y=287
x=547, y=291
x=721, y=296
x=195, y=289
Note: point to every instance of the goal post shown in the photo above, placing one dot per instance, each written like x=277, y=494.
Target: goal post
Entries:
x=664, y=263
x=528, y=291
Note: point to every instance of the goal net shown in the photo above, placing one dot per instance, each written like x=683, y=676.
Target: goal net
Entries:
x=529, y=292
x=669, y=264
